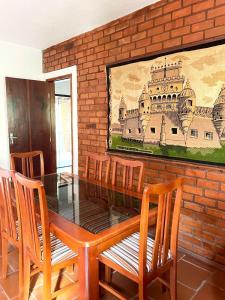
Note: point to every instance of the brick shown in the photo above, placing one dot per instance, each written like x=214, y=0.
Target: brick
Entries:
x=215, y=195
x=208, y=184
x=221, y=205
x=98, y=35
x=117, y=35
x=122, y=25
x=205, y=201
x=124, y=41
x=215, y=212
x=202, y=25
x=195, y=173
x=214, y=32
x=193, y=190
x=187, y=196
x=180, y=31
x=111, y=45
x=146, y=25
x=194, y=206
x=181, y=13
x=204, y=5
x=220, y=2
x=163, y=19
x=130, y=30
x=172, y=6
x=109, y=30
x=156, y=30
x=219, y=11
x=154, y=13
x=138, y=52
x=216, y=176
x=161, y=37
x=190, y=2
x=193, y=37
x=115, y=51
x=174, y=24
x=52, y=52
x=195, y=18
x=143, y=43
x=123, y=56
x=139, y=36
x=219, y=21
x=172, y=43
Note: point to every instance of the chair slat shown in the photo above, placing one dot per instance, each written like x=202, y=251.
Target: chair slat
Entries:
x=27, y=163
x=99, y=161
x=127, y=167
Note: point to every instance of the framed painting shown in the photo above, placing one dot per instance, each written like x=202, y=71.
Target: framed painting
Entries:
x=172, y=105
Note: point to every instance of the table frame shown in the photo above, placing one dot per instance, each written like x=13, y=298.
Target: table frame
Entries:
x=89, y=245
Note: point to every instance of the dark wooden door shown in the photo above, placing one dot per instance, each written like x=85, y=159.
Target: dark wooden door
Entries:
x=31, y=119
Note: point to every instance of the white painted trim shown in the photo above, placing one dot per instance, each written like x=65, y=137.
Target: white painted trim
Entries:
x=73, y=72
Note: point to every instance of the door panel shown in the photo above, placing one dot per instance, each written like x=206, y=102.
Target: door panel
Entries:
x=17, y=107
x=30, y=114
x=40, y=118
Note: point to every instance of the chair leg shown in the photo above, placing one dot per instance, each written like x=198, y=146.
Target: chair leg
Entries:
x=173, y=281
x=47, y=284
x=142, y=292
x=108, y=274
x=26, y=277
x=5, y=256
x=21, y=271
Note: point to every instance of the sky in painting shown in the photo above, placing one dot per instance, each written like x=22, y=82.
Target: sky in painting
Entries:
x=205, y=69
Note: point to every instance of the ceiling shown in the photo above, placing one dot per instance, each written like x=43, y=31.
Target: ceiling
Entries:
x=44, y=23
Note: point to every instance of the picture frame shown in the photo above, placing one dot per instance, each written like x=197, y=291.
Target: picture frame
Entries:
x=170, y=105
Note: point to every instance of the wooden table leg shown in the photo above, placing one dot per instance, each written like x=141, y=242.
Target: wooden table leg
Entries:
x=88, y=270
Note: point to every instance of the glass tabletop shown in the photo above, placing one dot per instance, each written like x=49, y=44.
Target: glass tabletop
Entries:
x=91, y=206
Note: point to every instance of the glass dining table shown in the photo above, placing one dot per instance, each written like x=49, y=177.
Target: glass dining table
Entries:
x=89, y=217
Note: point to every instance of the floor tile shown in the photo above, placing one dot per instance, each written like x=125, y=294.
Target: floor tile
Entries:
x=210, y=292
x=198, y=263
x=57, y=282
x=155, y=292
x=3, y=296
x=10, y=285
x=191, y=275
x=125, y=285
x=217, y=279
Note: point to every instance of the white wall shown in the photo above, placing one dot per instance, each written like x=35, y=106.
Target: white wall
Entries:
x=24, y=62
x=20, y=62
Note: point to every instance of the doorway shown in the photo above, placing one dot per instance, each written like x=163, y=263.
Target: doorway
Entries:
x=63, y=125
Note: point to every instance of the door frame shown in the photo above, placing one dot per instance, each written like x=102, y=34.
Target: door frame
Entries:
x=70, y=73
x=53, y=80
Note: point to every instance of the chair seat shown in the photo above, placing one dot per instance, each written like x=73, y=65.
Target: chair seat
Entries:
x=59, y=251
x=126, y=253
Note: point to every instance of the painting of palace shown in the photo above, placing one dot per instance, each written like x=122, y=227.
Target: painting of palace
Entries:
x=173, y=105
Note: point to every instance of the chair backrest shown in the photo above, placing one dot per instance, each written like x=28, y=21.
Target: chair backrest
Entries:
x=128, y=167
x=33, y=211
x=7, y=207
x=27, y=163
x=100, y=172
x=166, y=226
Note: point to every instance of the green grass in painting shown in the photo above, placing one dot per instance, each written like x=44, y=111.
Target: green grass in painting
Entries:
x=203, y=154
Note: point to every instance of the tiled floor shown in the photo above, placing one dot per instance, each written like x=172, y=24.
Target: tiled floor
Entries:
x=196, y=281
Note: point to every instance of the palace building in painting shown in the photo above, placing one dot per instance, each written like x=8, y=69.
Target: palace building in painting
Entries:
x=167, y=113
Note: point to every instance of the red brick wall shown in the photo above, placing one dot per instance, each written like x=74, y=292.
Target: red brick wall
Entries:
x=159, y=27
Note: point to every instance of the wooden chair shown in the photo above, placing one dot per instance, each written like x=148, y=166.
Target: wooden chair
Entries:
x=98, y=161
x=9, y=222
x=128, y=167
x=40, y=247
x=141, y=258
x=27, y=163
